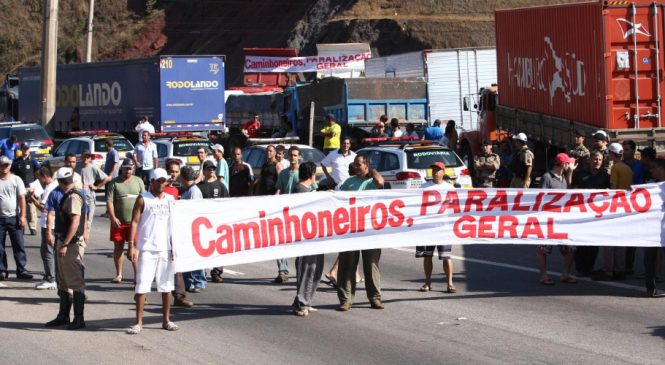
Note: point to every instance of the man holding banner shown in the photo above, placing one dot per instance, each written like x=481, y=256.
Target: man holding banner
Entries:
x=365, y=179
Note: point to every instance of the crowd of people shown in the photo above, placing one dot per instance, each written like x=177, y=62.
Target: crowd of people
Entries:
x=138, y=191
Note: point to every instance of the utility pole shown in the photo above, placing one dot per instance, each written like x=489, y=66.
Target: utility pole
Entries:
x=88, y=54
x=49, y=61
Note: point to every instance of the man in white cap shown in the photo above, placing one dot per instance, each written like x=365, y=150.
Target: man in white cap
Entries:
x=600, y=141
x=152, y=250
x=12, y=219
x=521, y=164
x=222, y=169
x=614, y=258
x=70, y=230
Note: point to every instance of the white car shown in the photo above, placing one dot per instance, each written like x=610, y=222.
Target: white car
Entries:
x=93, y=141
x=406, y=165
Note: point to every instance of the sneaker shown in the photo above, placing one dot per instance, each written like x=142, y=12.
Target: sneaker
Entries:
x=281, y=278
x=45, y=285
x=194, y=290
x=33, y=232
x=216, y=278
x=24, y=276
x=344, y=307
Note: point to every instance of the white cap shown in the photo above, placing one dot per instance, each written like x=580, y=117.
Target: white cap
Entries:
x=4, y=160
x=158, y=173
x=521, y=137
x=600, y=134
x=64, y=172
x=615, y=148
x=218, y=147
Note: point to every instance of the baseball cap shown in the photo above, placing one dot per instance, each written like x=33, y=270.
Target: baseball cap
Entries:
x=521, y=137
x=86, y=154
x=579, y=133
x=208, y=164
x=4, y=160
x=615, y=148
x=62, y=173
x=158, y=173
x=218, y=147
x=487, y=142
x=563, y=158
x=380, y=125
x=600, y=135
x=439, y=165
x=188, y=173
x=128, y=162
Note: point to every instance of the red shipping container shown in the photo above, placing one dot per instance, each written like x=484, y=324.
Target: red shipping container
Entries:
x=580, y=61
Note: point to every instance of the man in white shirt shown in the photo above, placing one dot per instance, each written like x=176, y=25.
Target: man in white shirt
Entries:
x=145, y=158
x=144, y=126
x=152, y=250
x=339, y=161
x=48, y=184
x=426, y=252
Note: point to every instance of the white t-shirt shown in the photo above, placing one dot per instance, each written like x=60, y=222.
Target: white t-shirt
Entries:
x=153, y=231
x=340, y=165
x=43, y=198
x=10, y=190
x=145, y=126
x=430, y=185
x=397, y=133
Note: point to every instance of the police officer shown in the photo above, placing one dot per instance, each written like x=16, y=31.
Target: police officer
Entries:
x=600, y=145
x=70, y=223
x=486, y=164
x=521, y=163
x=580, y=153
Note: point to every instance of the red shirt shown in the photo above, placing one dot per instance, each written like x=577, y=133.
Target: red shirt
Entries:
x=172, y=190
x=252, y=127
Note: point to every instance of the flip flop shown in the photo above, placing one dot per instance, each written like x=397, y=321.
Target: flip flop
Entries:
x=451, y=289
x=170, y=326
x=569, y=280
x=134, y=330
x=547, y=281
x=425, y=288
x=360, y=280
x=117, y=279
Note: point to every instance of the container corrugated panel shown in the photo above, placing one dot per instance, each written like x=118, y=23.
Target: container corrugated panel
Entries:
x=454, y=78
x=550, y=60
x=400, y=65
x=634, y=104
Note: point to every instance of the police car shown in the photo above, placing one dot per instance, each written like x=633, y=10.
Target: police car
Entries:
x=92, y=141
x=405, y=163
x=181, y=146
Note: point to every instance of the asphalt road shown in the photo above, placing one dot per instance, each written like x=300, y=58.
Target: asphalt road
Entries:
x=501, y=314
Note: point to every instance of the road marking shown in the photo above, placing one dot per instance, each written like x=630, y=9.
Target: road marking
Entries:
x=2, y=285
x=530, y=269
x=231, y=272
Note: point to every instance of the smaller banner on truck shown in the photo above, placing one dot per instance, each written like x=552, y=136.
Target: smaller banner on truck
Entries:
x=221, y=232
x=341, y=61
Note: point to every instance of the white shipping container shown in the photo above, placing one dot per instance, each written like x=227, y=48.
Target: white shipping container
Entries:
x=454, y=77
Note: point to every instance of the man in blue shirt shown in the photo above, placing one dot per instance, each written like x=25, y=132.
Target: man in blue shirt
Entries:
x=8, y=147
x=434, y=132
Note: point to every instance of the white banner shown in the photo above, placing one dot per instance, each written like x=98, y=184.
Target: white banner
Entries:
x=341, y=61
x=220, y=232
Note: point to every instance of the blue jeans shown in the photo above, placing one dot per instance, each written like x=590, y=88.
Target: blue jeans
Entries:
x=283, y=266
x=195, y=279
x=10, y=225
x=48, y=258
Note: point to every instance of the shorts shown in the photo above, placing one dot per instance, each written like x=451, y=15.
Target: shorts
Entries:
x=157, y=266
x=121, y=234
x=428, y=251
x=547, y=249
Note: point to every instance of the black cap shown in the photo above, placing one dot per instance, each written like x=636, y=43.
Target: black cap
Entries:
x=208, y=164
x=128, y=162
x=487, y=142
x=579, y=133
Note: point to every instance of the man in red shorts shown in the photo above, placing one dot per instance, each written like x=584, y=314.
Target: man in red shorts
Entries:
x=120, y=198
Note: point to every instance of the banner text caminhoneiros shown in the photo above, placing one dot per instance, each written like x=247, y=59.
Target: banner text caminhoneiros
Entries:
x=290, y=228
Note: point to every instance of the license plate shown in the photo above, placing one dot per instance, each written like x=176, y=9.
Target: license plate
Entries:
x=193, y=160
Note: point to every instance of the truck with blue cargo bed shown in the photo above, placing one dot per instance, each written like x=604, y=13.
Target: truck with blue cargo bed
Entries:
x=175, y=93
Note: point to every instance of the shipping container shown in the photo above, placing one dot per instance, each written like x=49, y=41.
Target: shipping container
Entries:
x=454, y=79
x=176, y=93
x=589, y=65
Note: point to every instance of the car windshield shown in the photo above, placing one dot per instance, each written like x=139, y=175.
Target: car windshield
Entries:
x=423, y=159
x=24, y=134
x=120, y=144
x=189, y=148
x=312, y=155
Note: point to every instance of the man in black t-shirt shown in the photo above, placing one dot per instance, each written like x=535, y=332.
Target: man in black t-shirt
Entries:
x=212, y=188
